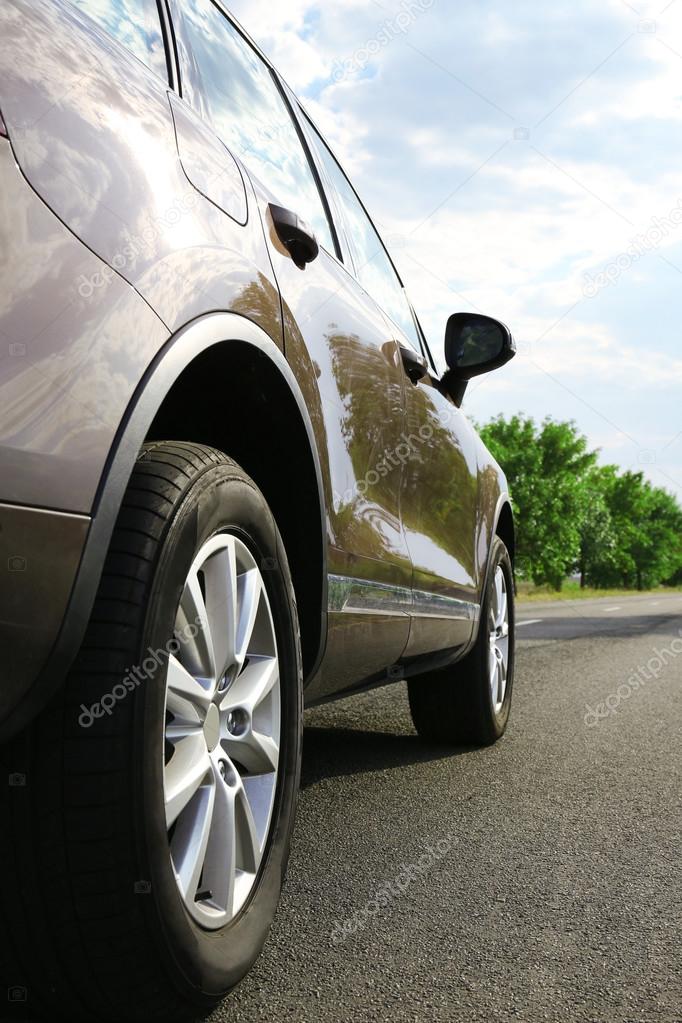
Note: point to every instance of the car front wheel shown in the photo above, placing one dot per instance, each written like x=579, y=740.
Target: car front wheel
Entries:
x=469, y=703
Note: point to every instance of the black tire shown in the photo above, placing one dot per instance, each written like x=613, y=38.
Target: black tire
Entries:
x=93, y=926
x=455, y=705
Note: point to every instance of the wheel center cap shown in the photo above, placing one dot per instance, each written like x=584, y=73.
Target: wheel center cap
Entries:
x=212, y=727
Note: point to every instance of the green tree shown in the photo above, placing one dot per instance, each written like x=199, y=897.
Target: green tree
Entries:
x=598, y=539
x=647, y=527
x=547, y=467
x=616, y=528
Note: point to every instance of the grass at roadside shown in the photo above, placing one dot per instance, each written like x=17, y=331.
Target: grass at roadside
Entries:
x=527, y=592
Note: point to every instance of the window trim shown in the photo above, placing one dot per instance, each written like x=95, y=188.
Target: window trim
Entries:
x=291, y=102
x=167, y=83
x=308, y=127
x=171, y=45
x=425, y=351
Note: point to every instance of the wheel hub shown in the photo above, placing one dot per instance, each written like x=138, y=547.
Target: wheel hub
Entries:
x=212, y=728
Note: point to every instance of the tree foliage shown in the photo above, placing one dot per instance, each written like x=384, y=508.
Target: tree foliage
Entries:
x=614, y=528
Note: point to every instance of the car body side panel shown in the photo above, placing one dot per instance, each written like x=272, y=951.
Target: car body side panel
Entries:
x=440, y=495
x=94, y=134
x=440, y=508
x=69, y=360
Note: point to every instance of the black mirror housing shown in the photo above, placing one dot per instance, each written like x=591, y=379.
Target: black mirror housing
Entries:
x=476, y=344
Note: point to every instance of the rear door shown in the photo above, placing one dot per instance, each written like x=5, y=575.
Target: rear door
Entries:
x=336, y=340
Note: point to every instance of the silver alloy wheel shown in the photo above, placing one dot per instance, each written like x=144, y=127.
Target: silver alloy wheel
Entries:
x=222, y=731
x=499, y=639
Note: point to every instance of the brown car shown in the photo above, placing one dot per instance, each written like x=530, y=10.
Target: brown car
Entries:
x=233, y=483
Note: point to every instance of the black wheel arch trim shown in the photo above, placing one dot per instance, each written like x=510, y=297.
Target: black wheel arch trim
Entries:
x=503, y=504
x=185, y=345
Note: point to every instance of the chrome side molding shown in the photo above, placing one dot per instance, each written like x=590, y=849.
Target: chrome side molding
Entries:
x=361, y=596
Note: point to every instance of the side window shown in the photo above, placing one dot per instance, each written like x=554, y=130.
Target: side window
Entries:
x=135, y=23
x=374, y=269
x=250, y=115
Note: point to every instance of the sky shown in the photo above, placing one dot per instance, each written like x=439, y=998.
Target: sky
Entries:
x=523, y=160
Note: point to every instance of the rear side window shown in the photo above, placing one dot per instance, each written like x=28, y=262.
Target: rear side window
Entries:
x=135, y=23
x=250, y=115
x=373, y=267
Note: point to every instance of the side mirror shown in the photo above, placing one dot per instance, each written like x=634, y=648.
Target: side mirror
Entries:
x=476, y=344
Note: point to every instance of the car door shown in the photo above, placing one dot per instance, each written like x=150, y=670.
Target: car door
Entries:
x=440, y=511
x=336, y=340
x=437, y=449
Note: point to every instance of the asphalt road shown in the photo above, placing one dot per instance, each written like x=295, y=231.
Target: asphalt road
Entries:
x=550, y=880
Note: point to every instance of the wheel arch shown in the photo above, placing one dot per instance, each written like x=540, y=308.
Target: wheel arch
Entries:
x=236, y=338
x=505, y=527
x=235, y=397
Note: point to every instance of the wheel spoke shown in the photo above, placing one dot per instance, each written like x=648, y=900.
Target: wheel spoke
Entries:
x=248, y=843
x=220, y=863
x=255, y=683
x=503, y=647
x=502, y=616
x=220, y=575
x=500, y=598
x=258, y=753
x=494, y=675
x=190, y=840
x=194, y=632
x=186, y=699
x=249, y=590
x=184, y=773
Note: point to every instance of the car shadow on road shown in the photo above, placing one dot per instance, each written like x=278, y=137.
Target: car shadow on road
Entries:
x=340, y=752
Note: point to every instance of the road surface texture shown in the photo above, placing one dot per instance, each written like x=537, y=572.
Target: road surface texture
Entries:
x=538, y=880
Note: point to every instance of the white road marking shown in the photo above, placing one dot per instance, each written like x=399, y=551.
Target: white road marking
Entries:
x=531, y=621
x=618, y=608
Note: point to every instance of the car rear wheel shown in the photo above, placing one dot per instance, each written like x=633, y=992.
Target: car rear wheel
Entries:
x=144, y=855
x=470, y=702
